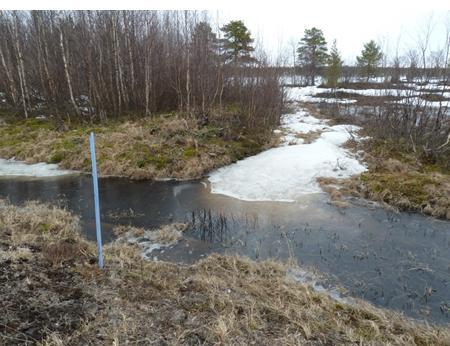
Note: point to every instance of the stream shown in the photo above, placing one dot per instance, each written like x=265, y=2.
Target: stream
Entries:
x=400, y=261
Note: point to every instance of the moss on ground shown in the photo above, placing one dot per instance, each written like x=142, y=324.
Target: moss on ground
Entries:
x=165, y=146
x=54, y=294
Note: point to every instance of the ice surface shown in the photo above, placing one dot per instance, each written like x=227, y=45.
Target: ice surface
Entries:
x=19, y=168
x=308, y=94
x=290, y=171
x=408, y=96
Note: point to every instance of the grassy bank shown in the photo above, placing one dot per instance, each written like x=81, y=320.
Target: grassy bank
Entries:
x=53, y=294
x=165, y=146
x=396, y=179
x=397, y=176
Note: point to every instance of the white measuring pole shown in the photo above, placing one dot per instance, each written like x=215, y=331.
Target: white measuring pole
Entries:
x=96, y=200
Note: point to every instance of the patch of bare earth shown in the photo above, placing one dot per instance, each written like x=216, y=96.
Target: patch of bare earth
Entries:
x=53, y=294
x=40, y=292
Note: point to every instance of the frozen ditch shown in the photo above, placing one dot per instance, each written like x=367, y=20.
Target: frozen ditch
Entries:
x=18, y=168
x=290, y=171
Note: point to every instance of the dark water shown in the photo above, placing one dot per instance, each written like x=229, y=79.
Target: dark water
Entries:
x=400, y=261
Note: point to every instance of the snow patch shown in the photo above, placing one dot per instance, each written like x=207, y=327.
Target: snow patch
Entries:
x=18, y=168
x=288, y=172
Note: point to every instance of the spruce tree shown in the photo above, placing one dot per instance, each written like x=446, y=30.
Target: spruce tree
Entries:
x=312, y=52
x=334, y=68
x=370, y=59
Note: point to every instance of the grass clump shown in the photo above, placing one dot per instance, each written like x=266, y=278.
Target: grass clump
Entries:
x=226, y=300
x=37, y=223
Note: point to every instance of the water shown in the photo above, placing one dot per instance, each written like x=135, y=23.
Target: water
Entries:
x=400, y=261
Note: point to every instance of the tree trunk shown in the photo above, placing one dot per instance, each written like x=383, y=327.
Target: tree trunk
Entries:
x=20, y=67
x=11, y=82
x=66, y=70
x=130, y=53
x=188, y=84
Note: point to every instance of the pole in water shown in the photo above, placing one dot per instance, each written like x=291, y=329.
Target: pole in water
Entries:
x=96, y=200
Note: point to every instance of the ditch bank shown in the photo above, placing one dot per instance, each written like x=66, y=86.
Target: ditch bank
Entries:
x=55, y=294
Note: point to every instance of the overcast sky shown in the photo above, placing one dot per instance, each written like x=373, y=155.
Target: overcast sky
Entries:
x=280, y=28
x=278, y=23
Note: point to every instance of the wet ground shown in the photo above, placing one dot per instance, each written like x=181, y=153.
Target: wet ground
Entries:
x=400, y=261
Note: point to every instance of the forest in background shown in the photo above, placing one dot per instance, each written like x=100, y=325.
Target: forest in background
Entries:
x=91, y=66
x=94, y=65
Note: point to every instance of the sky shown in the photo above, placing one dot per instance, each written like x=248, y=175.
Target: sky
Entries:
x=279, y=25
x=280, y=30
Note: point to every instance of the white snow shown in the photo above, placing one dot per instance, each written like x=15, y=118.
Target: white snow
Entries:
x=290, y=171
x=300, y=122
x=308, y=94
x=417, y=101
x=408, y=96
x=19, y=168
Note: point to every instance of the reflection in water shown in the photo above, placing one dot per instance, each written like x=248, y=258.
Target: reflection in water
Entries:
x=400, y=261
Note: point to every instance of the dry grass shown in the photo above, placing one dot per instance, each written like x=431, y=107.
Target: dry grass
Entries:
x=234, y=301
x=167, y=234
x=35, y=222
x=333, y=187
x=309, y=137
x=148, y=148
x=395, y=178
x=225, y=300
x=149, y=240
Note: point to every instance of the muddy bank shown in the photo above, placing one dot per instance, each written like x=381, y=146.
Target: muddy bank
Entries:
x=222, y=299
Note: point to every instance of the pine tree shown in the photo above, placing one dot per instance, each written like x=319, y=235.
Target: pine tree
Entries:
x=370, y=58
x=237, y=43
x=312, y=52
x=334, y=67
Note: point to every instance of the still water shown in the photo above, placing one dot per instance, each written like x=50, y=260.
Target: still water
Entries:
x=400, y=261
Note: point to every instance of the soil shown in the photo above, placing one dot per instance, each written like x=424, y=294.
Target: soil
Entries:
x=39, y=299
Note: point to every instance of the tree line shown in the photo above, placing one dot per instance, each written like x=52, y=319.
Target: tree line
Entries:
x=415, y=119
x=99, y=64
x=313, y=58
